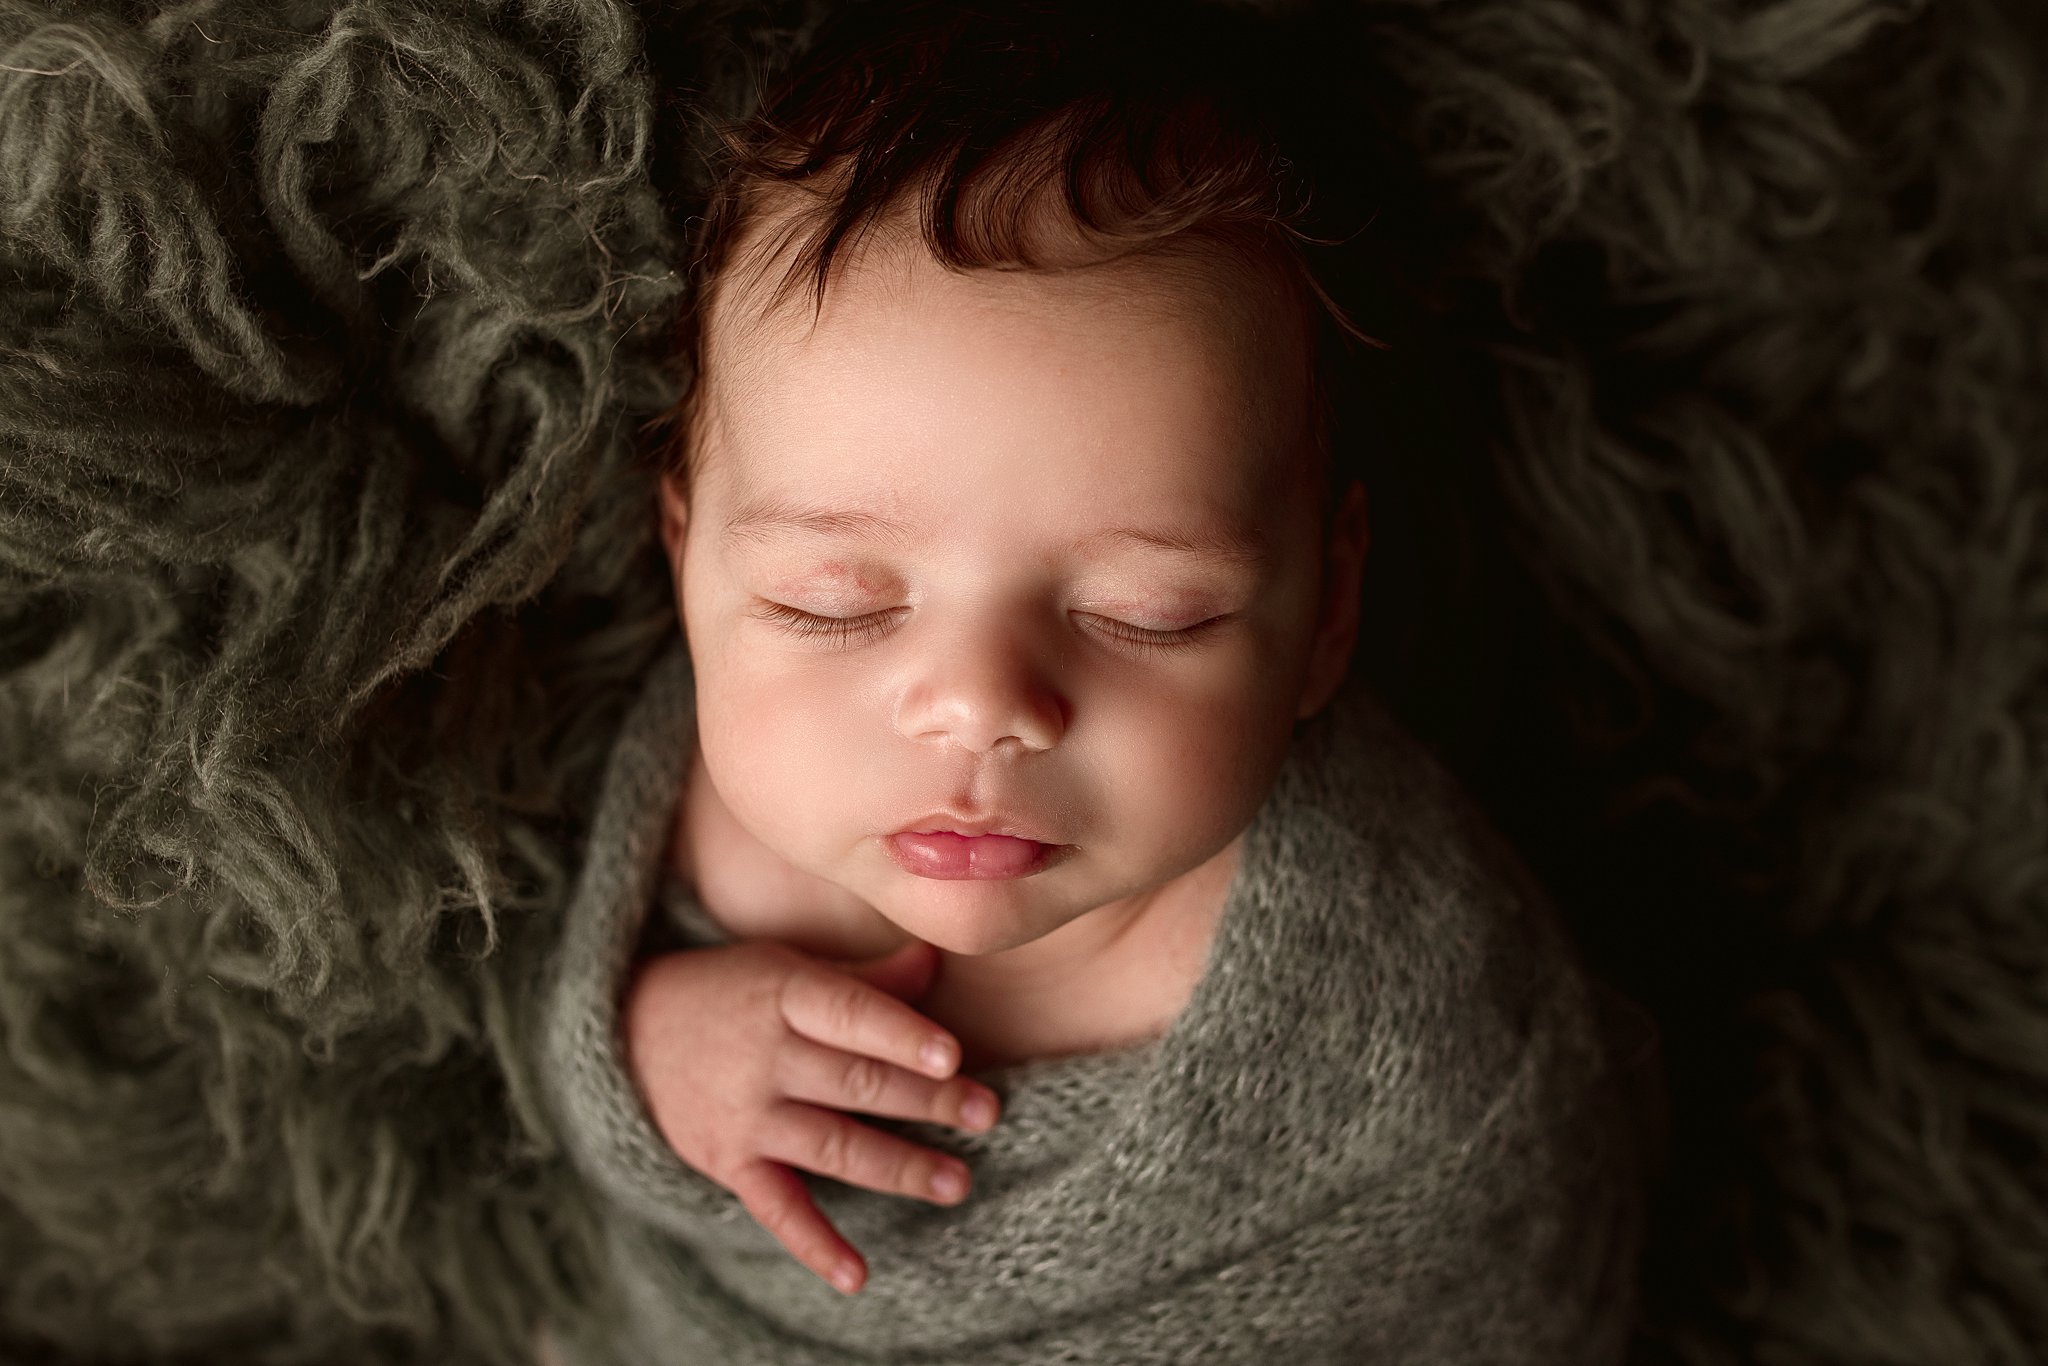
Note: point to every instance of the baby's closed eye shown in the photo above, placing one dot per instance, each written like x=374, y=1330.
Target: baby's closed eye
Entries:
x=848, y=631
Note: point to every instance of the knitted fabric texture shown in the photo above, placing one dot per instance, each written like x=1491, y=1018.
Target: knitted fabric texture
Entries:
x=1383, y=1128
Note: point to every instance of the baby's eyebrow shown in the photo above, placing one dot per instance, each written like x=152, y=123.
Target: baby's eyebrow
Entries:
x=762, y=520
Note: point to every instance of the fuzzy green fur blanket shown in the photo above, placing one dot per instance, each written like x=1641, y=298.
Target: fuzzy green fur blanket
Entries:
x=1386, y=1126
x=1712, y=564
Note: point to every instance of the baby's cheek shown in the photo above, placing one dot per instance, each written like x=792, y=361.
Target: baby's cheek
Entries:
x=783, y=758
x=1195, y=768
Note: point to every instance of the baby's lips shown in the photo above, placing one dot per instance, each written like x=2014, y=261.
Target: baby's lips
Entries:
x=946, y=855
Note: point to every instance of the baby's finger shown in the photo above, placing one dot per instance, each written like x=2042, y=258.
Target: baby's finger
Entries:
x=776, y=1197
x=839, y=1080
x=841, y=1147
x=839, y=1011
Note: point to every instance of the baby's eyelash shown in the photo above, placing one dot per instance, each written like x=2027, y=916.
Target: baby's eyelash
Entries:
x=840, y=631
x=844, y=632
x=1162, y=641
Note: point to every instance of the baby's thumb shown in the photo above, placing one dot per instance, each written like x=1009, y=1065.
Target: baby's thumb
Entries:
x=905, y=972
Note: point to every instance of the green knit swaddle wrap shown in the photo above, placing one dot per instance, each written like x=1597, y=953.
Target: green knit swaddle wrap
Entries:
x=1383, y=1128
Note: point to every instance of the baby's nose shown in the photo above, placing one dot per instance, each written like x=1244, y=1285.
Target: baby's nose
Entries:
x=983, y=700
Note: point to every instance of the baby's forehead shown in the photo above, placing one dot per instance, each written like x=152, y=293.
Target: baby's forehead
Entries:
x=1250, y=313
x=1236, y=315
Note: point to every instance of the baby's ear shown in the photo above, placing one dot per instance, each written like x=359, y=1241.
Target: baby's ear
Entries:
x=1337, y=610
x=675, y=515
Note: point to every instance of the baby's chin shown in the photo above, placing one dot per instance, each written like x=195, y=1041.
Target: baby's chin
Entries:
x=969, y=937
x=863, y=929
x=875, y=907
x=871, y=933
x=983, y=920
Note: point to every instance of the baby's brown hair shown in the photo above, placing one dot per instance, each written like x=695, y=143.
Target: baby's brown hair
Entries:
x=1171, y=128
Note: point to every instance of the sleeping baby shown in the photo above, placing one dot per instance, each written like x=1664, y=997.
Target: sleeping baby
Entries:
x=1004, y=902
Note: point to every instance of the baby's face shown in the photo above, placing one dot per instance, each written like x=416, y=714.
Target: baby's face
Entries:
x=1018, y=547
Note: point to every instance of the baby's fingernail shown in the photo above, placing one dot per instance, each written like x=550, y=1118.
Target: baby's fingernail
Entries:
x=938, y=1057
x=978, y=1111
x=847, y=1277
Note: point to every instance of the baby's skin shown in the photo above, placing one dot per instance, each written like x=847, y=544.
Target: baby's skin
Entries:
x=1032, y=558
x=748, y=1054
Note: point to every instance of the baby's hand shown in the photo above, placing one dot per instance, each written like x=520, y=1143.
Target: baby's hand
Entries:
x=746, y=1053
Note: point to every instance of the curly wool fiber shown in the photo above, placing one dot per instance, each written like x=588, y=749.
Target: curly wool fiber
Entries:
x=1772, y=411
x=321, y=336
x=327, y=569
